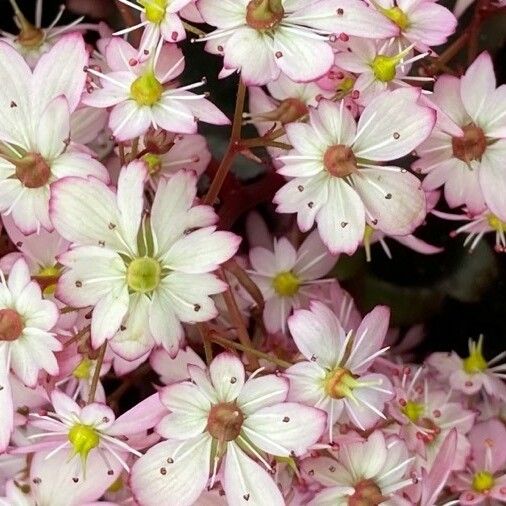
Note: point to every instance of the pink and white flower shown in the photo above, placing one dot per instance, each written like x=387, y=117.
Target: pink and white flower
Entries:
x=367, y=472
x=218, y=424
x=335, y=376
x=473, y=373
x=35, y=131
x=27, y=345
x=337, y=171
x=285, y=275
x=468, y=164
x=141, y=95
x=264, y=38
x=142, y=279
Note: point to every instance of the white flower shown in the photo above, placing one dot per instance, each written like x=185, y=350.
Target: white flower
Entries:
x=335, y=375
x=143, y=277
x=284, y=275
x=338, y=177
x=26, y=343
x=217, y=424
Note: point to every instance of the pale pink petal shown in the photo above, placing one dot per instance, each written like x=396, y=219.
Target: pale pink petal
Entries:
x=75, y=163
x=245, y=478
x=492, y=177
x=227, y=376
x=6, y=420
x=172, y=370
x=185, y=398
x=313, y=258
x=174, y=115
x=333, y=123
x=261, y=392
x=422, y=27
x=182, y=426
x=54, y=128
x=221, y=14
x=183, y=477
x=129, y=120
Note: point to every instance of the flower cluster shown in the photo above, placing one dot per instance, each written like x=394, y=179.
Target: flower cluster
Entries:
x=172, y=332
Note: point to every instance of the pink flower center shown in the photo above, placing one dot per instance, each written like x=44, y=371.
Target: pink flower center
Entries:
x=11, y=325
x=471, y=145
x=33, y=171
x=224, y=421
x=339, y=160
x=264, y=14
x=367, y=493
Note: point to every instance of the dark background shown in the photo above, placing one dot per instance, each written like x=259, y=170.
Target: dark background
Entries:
x=458, y=295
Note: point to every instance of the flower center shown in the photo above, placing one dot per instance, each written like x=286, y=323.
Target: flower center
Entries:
x=471, y=145
x=47, y=277
x=30, y=36
x=413, y=410
x=153, y=162
x=83, y=439
x=143, y=274
x=83, y=370
x=264, y=14
x=385, y=67
x=483, y=481
x=339, y=160
x=286, y=284
x=340, y=383
x=367, y=493
x=155, y=10
x=289, y=110
x=32, y=170
x=146, y=89
x=225, y=421
x=11, y=325
x=397, y=16
x=430, y=430
x=475, y=362
x=495, y=223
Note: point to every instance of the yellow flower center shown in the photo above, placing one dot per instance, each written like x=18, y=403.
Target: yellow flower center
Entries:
x=47, y=277
x=483, y=481
x=413, y=410
x=83, y=370
x=286, y=284
x=146, y=89
x=346, y=85
x=397, y=16
x=155, y=10
x=340, y=383
x=143, y=274
x=475, y=362
x=153, y=162
x=385, y=67
x=83, y=439
x=495, y=223
x=117, y=485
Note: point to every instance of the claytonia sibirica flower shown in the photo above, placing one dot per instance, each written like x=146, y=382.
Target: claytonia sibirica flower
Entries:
x=379, y=65
x=334, y=377
x=473, y=373
x=143, y=277
x=469, y=165
x=32, y=40
x=414, y=20
x=484, y=480
x=159, y=19
x=367, y=473
x=217, y=425
x=427, y=415
x=263, y=38
x=140, y=94
x=26, y=343
x=93, y=428
x=34, y=132
x=338, y=177
x=285, y=275
x=476, y=227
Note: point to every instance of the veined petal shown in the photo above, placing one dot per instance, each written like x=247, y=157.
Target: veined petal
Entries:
x=54, y=128
x=492, y=177
x=7, y=418
x=227, y=375
x=261, y=392
x=129, y=120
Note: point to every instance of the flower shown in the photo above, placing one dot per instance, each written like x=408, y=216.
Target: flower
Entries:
x=414, y=21
x=285, y=274
x=35, y=147
x=484, y=480
x=218, y=423
x=338, y=176
x=473, y=373
x=140, y=94
x=26, y=343
x=143, y=277
x=367, y=472
x=264, y=38
x=468, y=162
x=334, y=377
x=93, y=428
x=159, y=19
